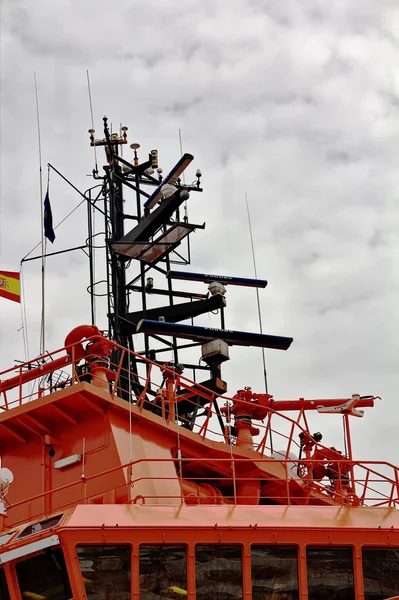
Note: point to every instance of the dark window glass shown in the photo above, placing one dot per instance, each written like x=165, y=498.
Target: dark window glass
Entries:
x=380, y=573
x=218, y=572
x=41, y=526
x=106, y=571
x=4, y=595
x=44, y=575
x=163, y=572
x=274, y=573
x=330, y=573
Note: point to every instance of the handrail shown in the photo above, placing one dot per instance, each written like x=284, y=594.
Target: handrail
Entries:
x=173, y=387
x=180, y=382
x=334, y=495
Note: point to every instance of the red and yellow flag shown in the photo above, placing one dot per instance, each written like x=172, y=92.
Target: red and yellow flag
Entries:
x=10, y=286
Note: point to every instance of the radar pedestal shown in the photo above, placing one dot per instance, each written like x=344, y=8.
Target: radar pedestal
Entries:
x=214, y=353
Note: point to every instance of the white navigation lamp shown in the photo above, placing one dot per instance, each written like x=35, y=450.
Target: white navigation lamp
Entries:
x=198, y=175
x=6, y=478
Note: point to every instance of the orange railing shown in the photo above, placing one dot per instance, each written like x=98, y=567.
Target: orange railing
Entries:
x=22, y=391
x=370, y=495
x=160, y=389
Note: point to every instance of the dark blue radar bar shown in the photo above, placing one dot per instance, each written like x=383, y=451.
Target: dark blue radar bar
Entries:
x=208, y=278
x=197, y=334
x=177, y=170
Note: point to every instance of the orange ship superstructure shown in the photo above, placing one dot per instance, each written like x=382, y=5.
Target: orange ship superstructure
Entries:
x=124, y=478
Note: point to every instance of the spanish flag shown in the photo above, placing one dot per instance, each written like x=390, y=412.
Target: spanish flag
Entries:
x=9, y=286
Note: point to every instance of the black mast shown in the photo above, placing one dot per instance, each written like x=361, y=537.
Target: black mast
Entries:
x=151, y=246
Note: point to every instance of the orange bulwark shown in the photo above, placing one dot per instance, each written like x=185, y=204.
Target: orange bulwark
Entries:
x=10, y=287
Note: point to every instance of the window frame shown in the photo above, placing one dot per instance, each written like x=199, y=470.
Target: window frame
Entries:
x=299, y=560
x=19, y=537
x=8, y=578
x=13, y=575
x=241, y=545
x=353, y=547
x=187, y=547
x=132, y=546
x=371, y=547
x=8, y=541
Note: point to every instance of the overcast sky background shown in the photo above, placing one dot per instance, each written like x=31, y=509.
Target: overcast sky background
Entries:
x=295, y=103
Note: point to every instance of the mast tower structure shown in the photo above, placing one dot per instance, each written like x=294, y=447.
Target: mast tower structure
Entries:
x=121, y=176
x=152, y=243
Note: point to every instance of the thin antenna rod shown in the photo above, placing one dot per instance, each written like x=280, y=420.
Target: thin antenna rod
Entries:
x=184, y=177
x=91, y=210
x=43, y=323
x=92, y=117
x=257, y=291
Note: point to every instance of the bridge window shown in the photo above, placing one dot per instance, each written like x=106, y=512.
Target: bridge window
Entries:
x=44, y=576
x=5, y=537
x=218, y=572
x=163, y=572
x=4, y=594
x=274, y=572
x=380, y=573
x=106, y=571
x=330, y=573
x=41, y=526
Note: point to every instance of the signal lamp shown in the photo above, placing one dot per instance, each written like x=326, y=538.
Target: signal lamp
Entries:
x=154, y=159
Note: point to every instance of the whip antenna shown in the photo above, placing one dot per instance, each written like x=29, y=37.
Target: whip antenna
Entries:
x=43, y=321
x=257, y=290
x=184, y=176
x=91, y=213
x=92, y=118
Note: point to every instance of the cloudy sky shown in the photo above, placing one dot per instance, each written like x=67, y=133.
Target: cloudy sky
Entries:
x=295, y=104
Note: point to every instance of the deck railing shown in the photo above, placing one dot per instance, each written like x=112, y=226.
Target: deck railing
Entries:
x=312, y=493
x=158, y=388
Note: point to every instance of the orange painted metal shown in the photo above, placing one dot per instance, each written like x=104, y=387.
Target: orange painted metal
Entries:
x=267, y=401
x=138, y=475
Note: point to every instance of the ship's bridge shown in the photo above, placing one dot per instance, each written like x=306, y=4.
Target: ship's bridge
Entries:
x=109, y=552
